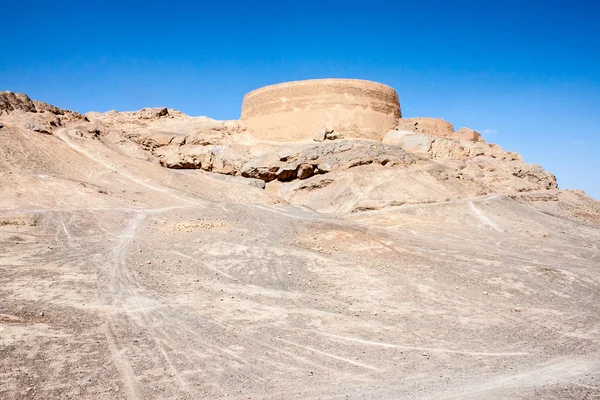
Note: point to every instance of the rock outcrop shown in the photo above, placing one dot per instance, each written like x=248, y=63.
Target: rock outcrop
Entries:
x=19, y=110
x=10, y=102
x=229, y=148
x=298, y=162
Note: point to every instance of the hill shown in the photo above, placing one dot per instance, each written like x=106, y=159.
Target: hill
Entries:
x=151, y=254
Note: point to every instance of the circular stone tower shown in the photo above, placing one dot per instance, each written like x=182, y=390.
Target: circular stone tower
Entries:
x=294, y=111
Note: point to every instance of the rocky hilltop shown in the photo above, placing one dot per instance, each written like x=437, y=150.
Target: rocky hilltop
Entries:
x=151, y=254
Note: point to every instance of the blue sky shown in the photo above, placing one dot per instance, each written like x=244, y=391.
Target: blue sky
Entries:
x=525, y=72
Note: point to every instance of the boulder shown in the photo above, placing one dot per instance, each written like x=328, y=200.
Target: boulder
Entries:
x=331, y=135
x=320, y=136
x=287, y=172
x=305, y=171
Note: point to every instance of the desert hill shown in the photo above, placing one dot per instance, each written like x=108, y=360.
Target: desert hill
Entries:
x=151, y=254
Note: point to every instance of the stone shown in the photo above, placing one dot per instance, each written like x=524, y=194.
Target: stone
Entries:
x=284, y=155
x=320, y=136
x=153, y=113
x=287, y=172
x=324, y=168
x=37, y=128
x=265, y=173
x=43, y=107
x=331, y=135
x=305, y=171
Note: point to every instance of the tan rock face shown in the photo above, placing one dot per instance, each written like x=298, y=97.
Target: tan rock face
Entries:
x=294, y=111
x=356, y=260
x=468, y=134
x=429, y=126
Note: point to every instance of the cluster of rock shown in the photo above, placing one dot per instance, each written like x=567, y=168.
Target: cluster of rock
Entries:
x=476, y=160
x=440, y=147
x=11, y=102
x=227, y=148
x=45, y=117
x=293, y=162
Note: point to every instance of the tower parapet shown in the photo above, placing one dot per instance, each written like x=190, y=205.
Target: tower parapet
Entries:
x=294, y=111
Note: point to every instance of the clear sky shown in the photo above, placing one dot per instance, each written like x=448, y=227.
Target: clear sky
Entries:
x=525, y=73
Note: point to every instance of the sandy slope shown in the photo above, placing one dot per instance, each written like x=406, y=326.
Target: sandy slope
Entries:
x=123, y=279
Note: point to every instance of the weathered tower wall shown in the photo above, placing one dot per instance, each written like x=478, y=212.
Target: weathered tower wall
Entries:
x=294, y=111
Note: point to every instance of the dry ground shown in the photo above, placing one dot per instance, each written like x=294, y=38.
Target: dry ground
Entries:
x=121, y=279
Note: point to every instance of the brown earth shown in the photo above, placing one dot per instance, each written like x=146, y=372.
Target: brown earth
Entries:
x=432, y=268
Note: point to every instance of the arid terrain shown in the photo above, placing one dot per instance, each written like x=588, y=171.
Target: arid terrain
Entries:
x=153, y=255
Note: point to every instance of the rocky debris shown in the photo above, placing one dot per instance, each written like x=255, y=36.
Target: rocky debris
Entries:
x=298, y=162
x=305, y=161
x=10, y=101
x=305, y=171
x=438, y=148
x=153, y=113
x=320, y=136
x=44, y=107
x=213, y=158
x=331, y=135
x=326, y=134
x=18, y=102
x=37, y=128
x=1, y=125
x=507, y=175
